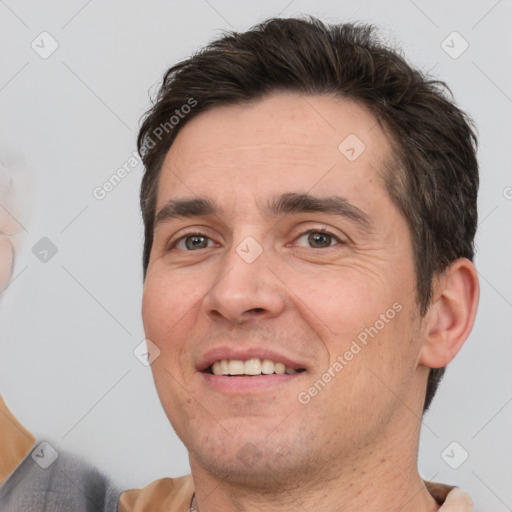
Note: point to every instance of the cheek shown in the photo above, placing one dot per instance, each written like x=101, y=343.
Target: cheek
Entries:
x=154, y=307
x=166, y=301
x=165, y=305
x=170, y=307
x=166, y=315
x=344, y=300
x=366, y=326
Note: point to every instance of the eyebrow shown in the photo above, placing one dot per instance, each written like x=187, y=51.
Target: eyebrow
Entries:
x=289, y=203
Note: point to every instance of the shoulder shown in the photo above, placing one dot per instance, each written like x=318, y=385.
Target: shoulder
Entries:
x=67, y=483
x=164, y=494
x=15, y=441
x=36, y=476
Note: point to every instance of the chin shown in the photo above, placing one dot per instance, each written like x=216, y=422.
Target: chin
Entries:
x=252, y=466
x=252, y=459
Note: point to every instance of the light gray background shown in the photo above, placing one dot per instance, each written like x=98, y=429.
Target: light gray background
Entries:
x=68, y=326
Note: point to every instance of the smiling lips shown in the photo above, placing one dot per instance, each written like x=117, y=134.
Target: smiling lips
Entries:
x=251, y=367
x=248, y=371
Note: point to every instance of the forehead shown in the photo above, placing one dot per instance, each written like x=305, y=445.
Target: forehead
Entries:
x=283, y=140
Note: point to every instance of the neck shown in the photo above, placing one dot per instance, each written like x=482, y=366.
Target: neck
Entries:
x=379, y=480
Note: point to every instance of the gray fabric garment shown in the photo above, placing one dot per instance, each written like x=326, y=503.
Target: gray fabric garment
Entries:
x=67, y=485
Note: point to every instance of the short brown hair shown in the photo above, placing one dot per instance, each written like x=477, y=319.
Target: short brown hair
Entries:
x=433, y=178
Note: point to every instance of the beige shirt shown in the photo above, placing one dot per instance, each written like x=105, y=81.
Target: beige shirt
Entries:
x=166, y=494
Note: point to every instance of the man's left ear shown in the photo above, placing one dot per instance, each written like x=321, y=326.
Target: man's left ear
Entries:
x=451, y=314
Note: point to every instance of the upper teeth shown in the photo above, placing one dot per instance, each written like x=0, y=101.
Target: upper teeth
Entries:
x=249, y=367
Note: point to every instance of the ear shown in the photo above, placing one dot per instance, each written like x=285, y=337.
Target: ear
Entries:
x=451, y=314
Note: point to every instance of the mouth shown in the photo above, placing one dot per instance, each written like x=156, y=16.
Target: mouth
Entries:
x=248, y=372
x=250, y=367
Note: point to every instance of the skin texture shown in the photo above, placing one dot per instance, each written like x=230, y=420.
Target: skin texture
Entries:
x=354, y=445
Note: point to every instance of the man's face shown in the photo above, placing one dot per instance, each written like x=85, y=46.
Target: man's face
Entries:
x=249, y=282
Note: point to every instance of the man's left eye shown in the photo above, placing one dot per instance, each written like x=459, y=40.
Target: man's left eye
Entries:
x=191, y=242
x=319, y=239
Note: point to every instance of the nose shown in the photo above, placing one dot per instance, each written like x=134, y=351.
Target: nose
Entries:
x=244, y=290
